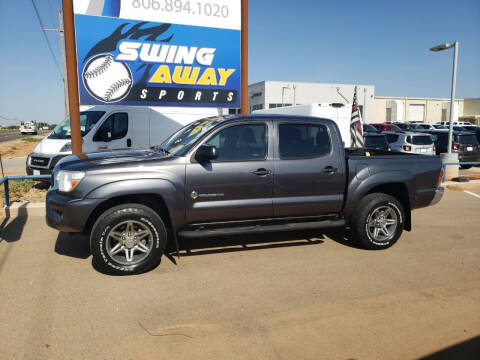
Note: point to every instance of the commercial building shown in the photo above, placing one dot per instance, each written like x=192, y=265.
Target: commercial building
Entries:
x=431, y=110
x=272, y=94
x=375, y=109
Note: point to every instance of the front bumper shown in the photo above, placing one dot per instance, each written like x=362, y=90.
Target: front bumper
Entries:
x=68, y=214
x=45, y=165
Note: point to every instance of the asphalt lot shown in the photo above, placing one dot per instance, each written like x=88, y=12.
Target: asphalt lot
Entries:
x=280, y=296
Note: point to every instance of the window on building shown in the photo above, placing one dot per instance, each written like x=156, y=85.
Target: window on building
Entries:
x=303, y=141
x=257, y=107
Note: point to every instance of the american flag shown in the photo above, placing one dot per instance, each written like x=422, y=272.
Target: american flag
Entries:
x=356, y=129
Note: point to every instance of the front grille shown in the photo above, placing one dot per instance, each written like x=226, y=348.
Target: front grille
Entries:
x=39, y=161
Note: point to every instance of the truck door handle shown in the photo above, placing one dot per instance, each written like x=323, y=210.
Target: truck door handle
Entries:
x=329, y=169
x=129, y=142
x=261, y=172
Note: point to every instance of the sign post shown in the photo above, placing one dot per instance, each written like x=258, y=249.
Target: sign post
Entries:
x=71, y=54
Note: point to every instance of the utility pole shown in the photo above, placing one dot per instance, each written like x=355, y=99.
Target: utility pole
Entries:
x=64, y=60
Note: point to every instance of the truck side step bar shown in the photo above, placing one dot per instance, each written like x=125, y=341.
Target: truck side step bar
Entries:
x=258, y=229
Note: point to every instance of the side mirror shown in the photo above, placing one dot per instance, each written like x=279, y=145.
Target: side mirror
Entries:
x=206, y=153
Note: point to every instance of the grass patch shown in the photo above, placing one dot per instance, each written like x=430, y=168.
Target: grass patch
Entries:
x=30, y=139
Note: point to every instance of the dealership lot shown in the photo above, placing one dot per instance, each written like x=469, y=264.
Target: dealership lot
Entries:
x=278, y=296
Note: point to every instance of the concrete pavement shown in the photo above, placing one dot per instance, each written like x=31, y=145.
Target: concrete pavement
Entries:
x=281, y=296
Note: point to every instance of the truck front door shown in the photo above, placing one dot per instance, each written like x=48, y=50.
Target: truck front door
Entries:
x=308, y=171
x=239, y=183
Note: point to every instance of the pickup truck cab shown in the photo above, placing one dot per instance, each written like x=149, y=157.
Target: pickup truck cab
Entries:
x=232, y=174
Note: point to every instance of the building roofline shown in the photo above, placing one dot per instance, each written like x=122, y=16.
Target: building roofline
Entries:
x=308, y=82
x=414, y=98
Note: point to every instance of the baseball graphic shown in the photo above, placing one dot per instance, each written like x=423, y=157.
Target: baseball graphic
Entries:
x=107, y=80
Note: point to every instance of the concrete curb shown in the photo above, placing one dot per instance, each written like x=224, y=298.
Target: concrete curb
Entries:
x=458, y=186
x=24, y=209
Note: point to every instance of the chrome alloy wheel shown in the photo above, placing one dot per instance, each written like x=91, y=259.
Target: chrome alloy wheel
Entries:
x=382, y=223
x=129, y=242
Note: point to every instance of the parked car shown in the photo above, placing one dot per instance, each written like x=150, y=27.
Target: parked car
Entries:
x=386, y=127
x=411, y=142
x=231, y=175
x=455, y=123
x=369, y=128
x=403, y=126
x=374, y=140
x=474, y=129
x=465, y=144
x=425, y=126
x=439, y=126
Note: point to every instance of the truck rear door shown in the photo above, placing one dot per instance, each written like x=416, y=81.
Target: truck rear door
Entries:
x=309, y=169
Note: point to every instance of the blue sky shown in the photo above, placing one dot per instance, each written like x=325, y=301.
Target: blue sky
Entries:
x=379, y=42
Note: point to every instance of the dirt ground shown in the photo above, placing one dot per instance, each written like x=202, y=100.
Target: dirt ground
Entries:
x=19, y=147
x=276, y=296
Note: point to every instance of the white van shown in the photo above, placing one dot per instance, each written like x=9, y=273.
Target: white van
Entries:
x=28, y=127
x=106, y=128
x=340, y=113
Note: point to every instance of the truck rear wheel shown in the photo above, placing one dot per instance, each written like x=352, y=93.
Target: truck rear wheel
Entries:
x=128, y=239
x=378, y=222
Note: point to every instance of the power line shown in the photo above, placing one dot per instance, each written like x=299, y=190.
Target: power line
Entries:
x=46, y=37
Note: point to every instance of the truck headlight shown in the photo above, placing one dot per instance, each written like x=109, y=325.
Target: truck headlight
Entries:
x=68, y=180
x=66, y=148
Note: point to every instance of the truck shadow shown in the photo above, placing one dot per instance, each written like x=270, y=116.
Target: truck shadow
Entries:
x=224, y=244
x=78, y=246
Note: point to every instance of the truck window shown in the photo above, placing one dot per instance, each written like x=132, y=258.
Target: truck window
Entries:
x=303, y=141
x=116, y=124
x=240, y=143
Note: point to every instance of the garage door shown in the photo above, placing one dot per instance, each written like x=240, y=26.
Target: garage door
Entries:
x=415, y=113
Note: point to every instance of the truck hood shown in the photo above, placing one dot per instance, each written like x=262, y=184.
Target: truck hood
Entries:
x=94, y=160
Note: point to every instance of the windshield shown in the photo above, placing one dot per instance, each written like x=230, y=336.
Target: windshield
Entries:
x=87, y=120
x=370, y=128
x=394, y=127
x=181, y=141
x=403, y=126
x=420, y=140
x=424, y=126
x=376, y=141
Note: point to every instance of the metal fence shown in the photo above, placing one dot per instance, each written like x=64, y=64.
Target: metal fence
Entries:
x=444, y=166
x=6, y=179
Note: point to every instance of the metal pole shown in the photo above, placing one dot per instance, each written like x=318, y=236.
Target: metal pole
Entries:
x=64, y=61
x=452, y=99
x=244, y=60
x=71, y=55
x=364, y=103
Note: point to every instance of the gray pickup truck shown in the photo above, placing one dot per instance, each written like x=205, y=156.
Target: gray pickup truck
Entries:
x=233, y=174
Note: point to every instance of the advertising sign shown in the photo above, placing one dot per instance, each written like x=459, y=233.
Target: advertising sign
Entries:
x=158, y=52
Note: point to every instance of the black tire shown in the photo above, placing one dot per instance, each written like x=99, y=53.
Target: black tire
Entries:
x=465, y=166
x=115, y=222
x=370, y=210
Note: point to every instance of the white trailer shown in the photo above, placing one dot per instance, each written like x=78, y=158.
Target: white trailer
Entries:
x=340, y=113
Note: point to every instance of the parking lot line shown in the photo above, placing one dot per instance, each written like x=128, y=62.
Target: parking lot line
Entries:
x=472, y=193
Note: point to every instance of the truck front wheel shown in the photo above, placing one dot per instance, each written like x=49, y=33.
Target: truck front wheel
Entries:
x=378, y=222
x=128, y=239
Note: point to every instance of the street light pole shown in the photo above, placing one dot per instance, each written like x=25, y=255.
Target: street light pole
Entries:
x=452, y=98
x=454, y=83
x=450, y=171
